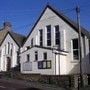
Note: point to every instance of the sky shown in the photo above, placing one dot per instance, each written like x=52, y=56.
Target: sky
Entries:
x=22, y=14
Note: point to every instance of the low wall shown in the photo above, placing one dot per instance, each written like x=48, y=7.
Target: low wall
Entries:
x=65, y=81
x=60, y=80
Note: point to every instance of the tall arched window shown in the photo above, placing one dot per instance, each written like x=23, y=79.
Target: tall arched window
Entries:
x=8, y=47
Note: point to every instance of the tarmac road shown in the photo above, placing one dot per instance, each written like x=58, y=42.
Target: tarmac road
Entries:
x=14, y=86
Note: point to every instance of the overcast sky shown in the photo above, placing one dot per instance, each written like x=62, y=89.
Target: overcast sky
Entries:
x=23, y=13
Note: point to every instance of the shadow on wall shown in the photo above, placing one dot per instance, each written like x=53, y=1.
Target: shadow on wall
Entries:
x=85, y=66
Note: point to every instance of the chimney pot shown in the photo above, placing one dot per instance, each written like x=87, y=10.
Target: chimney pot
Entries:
x=7, y=26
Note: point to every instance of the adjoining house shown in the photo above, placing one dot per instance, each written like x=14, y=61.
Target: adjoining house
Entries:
x=10, y=43
x=51, y=48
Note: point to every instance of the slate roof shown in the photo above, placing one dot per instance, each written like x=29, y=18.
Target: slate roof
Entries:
x=63, y=17
x=18, y=38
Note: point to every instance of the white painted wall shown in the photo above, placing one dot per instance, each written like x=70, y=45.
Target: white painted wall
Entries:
x=50, y=56
x=3, y=59
x=67, y=33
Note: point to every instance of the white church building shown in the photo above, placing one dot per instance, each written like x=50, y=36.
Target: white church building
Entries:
x=10, y=43
x=51, y=48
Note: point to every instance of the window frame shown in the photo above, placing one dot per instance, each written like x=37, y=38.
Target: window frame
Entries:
x=5, y=49
x=36, y=55
x=48, y=35
x=41, y=37
x=57, y=35
x=28, y=57
x=8, y=47
x=74, y=49
x=11, y=50
x=45, y=56
x=41, y=63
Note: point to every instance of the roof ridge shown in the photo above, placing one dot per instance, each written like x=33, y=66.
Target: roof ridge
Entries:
x=17, y=33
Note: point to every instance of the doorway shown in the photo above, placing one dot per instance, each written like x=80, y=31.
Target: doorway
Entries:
x=8, y=63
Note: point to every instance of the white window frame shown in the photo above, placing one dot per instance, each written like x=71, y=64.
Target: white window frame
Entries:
x=74, y=50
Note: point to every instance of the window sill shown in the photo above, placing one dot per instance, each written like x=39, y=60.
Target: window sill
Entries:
x=44, y=68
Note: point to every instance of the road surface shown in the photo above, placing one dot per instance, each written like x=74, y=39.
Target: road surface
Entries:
x=14, y=86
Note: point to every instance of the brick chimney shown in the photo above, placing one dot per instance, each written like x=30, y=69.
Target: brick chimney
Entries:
x=7, y=26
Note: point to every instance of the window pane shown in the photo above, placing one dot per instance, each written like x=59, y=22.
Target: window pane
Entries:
x=75, y=49
x=57, y=28
x=48, y=64
x=36, y=55
x=41, y=37
x=48, y=42
x=40, y=65
x=44, y=64
x=76, y=54
x=5, y=49
x=57, y=35
x=45, y=56
x=75, y=44
x=28, y=57
x=11, y=52
x=41, y=43
x=8, y=47
x=49, y=28
x=49, y=35
x=57, y=41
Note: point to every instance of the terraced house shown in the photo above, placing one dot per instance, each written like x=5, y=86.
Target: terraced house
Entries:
x=10, y=43
x=51, y=48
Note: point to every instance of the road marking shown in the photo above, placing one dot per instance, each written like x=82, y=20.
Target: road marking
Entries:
x=2, y=87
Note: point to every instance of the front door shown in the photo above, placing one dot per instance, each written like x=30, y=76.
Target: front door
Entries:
x=8, y=63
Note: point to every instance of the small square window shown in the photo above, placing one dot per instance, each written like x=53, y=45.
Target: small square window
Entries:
x=28, y=57
x=44, y=65
x=36, y=55
x=45, y=56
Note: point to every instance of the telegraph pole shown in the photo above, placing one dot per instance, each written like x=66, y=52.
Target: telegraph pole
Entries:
x=79, y=45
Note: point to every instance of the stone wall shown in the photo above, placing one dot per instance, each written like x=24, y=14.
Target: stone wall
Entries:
x=60, y=80
x=65, y=81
